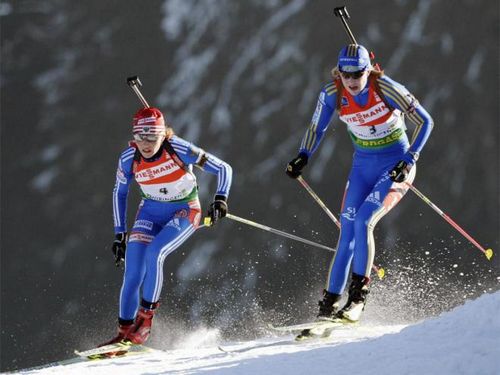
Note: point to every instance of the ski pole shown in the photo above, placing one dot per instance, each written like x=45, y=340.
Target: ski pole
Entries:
x=318, y=200
x=134, y=82
x=342, y=13
x=380, y=271
x=487, y=252
x=207, y=222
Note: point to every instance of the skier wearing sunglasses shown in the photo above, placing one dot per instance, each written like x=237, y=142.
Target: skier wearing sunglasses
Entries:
x=169, y=213
x=374, y=108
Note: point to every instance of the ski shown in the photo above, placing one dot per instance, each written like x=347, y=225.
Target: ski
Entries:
x=330, y=323
x=114, y=350
x=316, y=329
x=242, y=347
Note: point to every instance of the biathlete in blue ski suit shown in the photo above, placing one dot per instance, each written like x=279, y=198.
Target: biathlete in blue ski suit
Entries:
x=373, y=107
x=168, y=214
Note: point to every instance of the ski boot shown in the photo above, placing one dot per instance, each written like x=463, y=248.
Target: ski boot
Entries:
x=328, y=308
x=143, y=322
x=125, y=328
x=136, y=331
x=358, y=291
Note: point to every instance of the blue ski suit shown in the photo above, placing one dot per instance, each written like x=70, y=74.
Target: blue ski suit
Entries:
x=168, y=214
x=375, y=122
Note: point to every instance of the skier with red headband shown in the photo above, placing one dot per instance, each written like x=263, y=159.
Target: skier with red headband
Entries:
x=374, y=107
x=168, y=214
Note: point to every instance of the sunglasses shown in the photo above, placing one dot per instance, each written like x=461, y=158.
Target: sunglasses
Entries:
x=146, y=137
x=354, y=75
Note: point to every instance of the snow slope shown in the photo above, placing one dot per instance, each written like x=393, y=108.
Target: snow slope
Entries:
x=465, y=340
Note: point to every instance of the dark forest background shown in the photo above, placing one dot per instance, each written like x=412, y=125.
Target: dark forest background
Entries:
x=240, y=79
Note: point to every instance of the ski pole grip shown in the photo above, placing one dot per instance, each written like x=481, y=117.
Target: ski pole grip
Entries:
x=134, y=81
x=341, y=12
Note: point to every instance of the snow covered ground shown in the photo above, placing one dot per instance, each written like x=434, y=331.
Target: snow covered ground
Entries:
x=465, y=340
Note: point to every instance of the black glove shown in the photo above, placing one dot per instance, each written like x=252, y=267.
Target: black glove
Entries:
x=218, y=209
x=294, y=168
x=119, y=247
x=400, y=171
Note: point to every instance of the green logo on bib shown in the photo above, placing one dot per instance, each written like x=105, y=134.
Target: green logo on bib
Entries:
x=377, y=143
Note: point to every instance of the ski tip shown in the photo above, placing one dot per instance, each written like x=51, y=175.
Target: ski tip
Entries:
x=381, y=273
x=223, y=349
x=272, y=327
x=488, y=253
